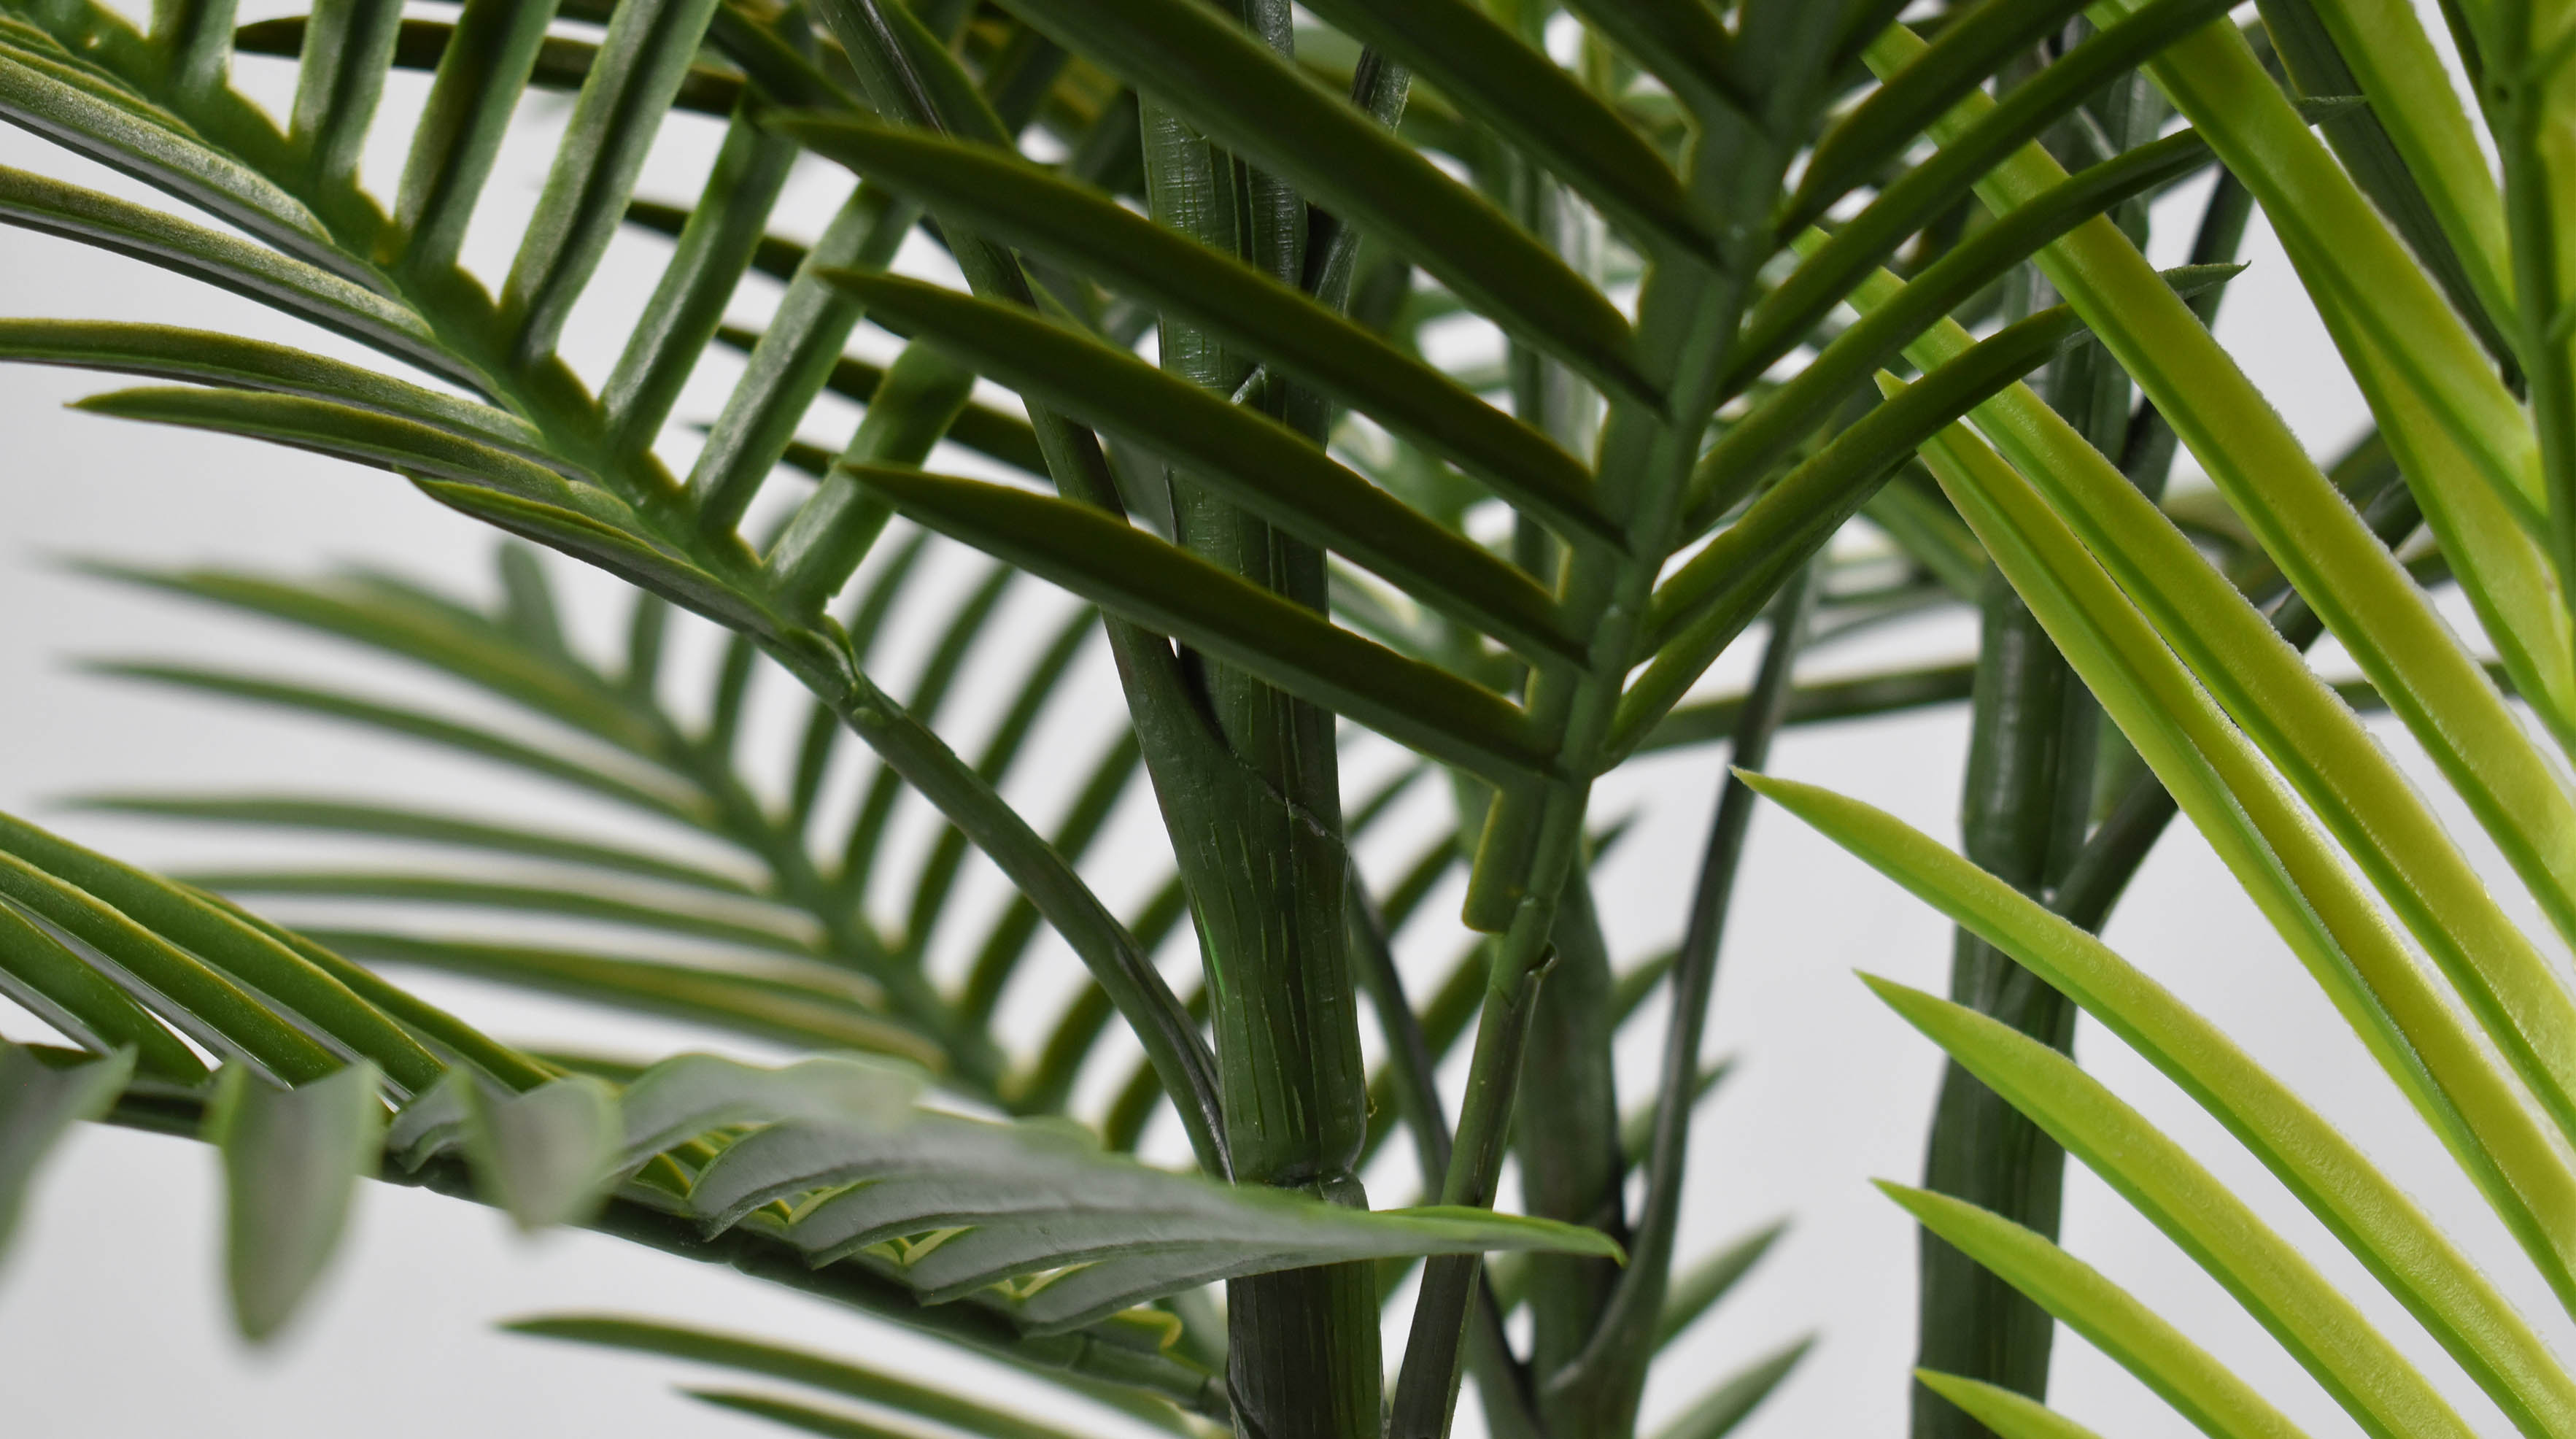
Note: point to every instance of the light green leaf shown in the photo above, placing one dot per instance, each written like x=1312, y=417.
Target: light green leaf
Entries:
x=2365, y=1373
x=2010, y=1415
x=2364, y=1207
x=2436, y=1056
x=292, y=1160
x=40, y=1098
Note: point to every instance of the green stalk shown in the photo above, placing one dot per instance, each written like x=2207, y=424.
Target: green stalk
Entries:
x=1689, y=311
x=1264, y=861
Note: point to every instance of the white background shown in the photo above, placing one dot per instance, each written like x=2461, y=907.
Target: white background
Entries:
x=110, y=1316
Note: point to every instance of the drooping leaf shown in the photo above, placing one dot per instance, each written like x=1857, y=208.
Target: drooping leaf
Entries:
x=1036, y=1200
x=41, y=1097
x=546, y=1156
x=292, y=1160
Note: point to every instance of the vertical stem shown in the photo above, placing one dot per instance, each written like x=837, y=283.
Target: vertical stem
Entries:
x=1264, y=857
x=2024, y=813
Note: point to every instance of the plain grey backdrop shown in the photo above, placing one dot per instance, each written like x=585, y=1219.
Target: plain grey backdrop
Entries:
x=111, y=1322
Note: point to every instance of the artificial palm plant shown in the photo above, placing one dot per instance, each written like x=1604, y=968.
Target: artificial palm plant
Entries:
x=1661, y=250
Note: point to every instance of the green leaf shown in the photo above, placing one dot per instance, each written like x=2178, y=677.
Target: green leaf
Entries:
x=1037, y=1199
x=2365, y=597
x=1252, y=103
x=774, y=932
x=1680, y=43
x=2010, y=1415
x=347, y=48
x=2365, y=1373
x=803, y=1005
x=235, y=362
x=1699, y=610
x=1789, y=413
x=347, y=433
x=1029, y=206
x=653, y=795
x=122, y=130
x=988, y=430
x=431, y=631
x=2364, y=1208
x=548, y=1156
x=1253, y=460
x=1127, y=571
x=46, y=978
x=1735, y=1397
x=1707, y=721
x=688, y=1094
x=1792, y=311
x=39, y=1100
x=1698, y=1289
x=1880, y=128
x=715, y=248
x=292, y=1160
x=642, y=61
x=837, y=1376
x=417, y=826
x=2306, y=730
x=2438, y=1059
x=293, y=286
x=2109, y=1318
x=482, y=68
x=1527, y=98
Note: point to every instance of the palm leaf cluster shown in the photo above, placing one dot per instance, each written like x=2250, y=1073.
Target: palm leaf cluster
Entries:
x=1511, y=368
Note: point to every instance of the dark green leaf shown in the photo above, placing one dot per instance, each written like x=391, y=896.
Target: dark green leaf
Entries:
x=1538, y=106
x=482, y=67
x=46, y=978
x=1030, y=207
x=641, y=64
x=1792, y=311
x=1260, y=107
x=299, y=289
x=1166, y=589
x=1254, y=460
x=1710, y=599
x=1968, y=52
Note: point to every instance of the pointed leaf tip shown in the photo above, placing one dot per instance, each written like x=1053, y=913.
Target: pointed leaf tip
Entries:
x=38, y=1103
x=292, y=1159
x=546, y=1156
